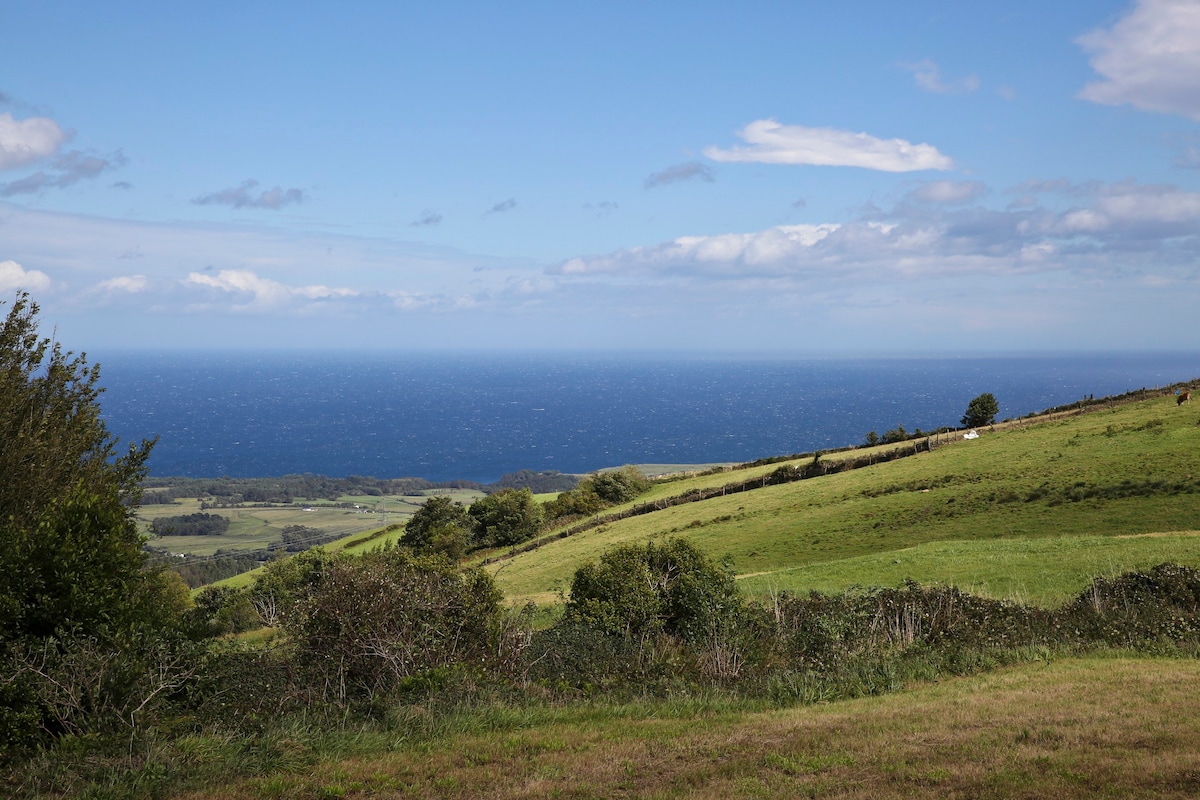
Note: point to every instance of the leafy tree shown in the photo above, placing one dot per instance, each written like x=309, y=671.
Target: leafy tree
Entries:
x=598, y=491
x=506, y=517
x=537, y=482
x=981, y=411
x=81, y=619
x=439, y=517
x=579, y=502
x=70, y=553
x=200, y=524
x=617, y=486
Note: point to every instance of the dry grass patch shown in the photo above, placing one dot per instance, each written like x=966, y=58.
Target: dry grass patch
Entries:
x=1096, y=727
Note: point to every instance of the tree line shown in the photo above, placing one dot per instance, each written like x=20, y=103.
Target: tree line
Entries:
x=227, y=491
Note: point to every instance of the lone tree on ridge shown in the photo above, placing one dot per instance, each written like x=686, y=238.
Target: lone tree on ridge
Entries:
x=981, y=411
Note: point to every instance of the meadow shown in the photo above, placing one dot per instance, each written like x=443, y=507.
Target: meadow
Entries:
x=1030, y=511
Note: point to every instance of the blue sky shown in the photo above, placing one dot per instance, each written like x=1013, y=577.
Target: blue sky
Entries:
x=792, y=177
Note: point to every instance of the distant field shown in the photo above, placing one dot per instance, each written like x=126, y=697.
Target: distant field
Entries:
x=1022, y=513
x=256, y=527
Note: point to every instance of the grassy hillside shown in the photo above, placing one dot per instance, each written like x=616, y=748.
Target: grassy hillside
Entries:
x=912, y=693
x=1029, y=511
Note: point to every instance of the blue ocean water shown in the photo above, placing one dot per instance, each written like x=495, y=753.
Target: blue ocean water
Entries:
x=476, y=417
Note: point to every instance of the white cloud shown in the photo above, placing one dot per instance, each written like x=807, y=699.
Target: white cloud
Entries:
x=14, y=276
x=265, y=293
x=772, y=143
x=124, y=283
x=25, y=141
x=1131, y=210
x=1149, y=59
x=741, y=253
x=1120, y=226
x=928, y=77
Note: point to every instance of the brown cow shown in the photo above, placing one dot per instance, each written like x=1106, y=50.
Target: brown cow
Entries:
x=1183, y=397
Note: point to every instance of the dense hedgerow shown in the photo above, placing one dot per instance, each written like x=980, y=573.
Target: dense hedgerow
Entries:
x=397, y=641
x=653, y=619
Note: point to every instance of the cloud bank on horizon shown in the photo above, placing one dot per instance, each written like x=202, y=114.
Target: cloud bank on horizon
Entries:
x=901, y=183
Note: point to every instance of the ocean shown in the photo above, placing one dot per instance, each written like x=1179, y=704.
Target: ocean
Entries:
x=476, y=417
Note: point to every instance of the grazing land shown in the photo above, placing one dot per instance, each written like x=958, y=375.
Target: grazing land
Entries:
x=1030, y=511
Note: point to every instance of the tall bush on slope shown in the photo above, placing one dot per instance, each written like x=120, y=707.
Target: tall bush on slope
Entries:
x=81, y=620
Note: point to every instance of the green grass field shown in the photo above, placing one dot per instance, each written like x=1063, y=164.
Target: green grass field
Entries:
x=1027, y=512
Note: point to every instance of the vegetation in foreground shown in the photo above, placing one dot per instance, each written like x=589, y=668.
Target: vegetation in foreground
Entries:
x=1109, y=726
x=130, y=690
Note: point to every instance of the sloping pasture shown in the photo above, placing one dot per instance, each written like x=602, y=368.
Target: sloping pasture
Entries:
x=1121, y=471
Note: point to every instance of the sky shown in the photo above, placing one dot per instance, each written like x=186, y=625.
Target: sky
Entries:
x=792, y=177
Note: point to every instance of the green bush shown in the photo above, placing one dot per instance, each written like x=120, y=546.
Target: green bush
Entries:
x=639, y=590
x=369, y=623
x=438, y=516
x=505, y=518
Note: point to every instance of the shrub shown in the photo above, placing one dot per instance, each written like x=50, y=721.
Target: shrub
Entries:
x=504, y=518
x=1138, y=607
x=437, y=516
x=637, y=591
x=369, y=623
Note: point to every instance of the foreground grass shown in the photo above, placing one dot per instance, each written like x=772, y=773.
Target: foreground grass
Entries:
x=1090, y=727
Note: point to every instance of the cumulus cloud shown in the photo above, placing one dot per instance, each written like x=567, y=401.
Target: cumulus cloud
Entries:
x=1150, y=58
x=725, y=252
x=66, y=170
x=245, y=196
x=928, y=76
x=691, y=171
x=263, y=293
x=936, y=239
x=13, y=276
x=26, y=141
x=769, y=142
x=1132, y=210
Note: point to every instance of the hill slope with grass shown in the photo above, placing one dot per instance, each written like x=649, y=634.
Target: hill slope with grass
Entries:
x=1030, y=511
x=399, y=673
